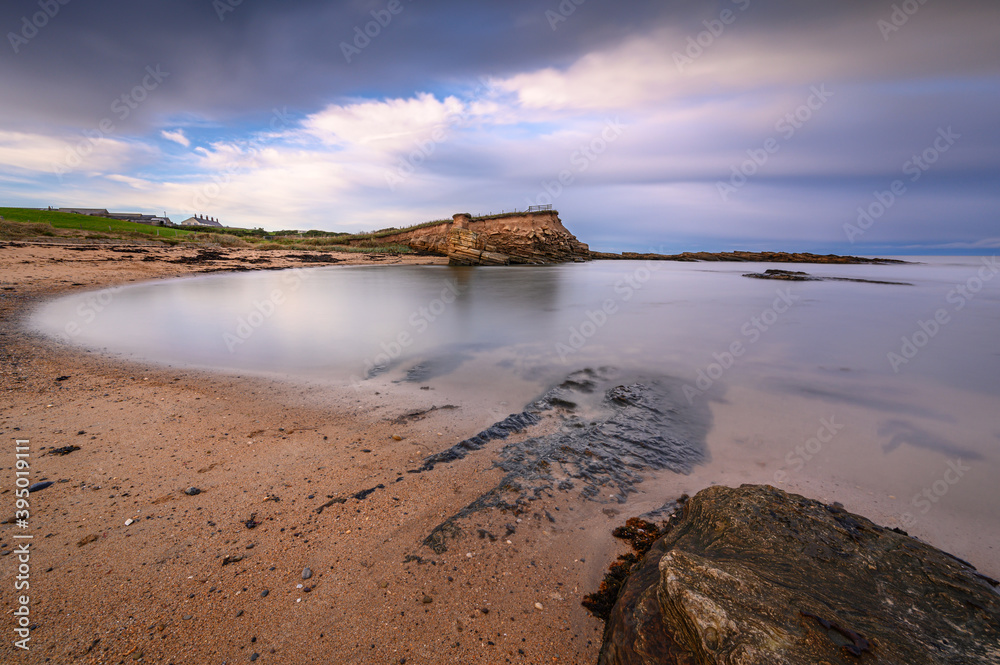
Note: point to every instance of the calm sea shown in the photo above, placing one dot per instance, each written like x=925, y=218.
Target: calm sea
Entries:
x=885, y=393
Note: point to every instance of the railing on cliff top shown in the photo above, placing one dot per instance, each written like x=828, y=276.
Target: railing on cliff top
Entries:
x=506, y=213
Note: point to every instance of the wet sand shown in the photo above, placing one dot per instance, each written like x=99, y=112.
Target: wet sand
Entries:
x=266, y=454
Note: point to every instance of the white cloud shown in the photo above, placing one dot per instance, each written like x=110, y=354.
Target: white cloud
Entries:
x=383, y=125
x=58, y=155
x=177, y=136
x=135, y=183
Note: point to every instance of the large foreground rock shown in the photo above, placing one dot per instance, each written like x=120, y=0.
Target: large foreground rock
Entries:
x=757, y=576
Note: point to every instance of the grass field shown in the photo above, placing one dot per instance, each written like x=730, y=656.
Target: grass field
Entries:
x=66, y=220
x=31, y=222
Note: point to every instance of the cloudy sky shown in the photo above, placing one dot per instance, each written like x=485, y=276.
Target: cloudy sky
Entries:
x=856, y=126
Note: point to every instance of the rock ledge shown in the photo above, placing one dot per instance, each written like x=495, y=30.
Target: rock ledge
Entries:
x=755, y=575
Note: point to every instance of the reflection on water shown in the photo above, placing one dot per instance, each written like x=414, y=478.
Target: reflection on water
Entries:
x=912, y=371
x=429, y=321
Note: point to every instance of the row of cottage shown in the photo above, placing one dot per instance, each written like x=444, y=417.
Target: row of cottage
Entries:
x=197, y=220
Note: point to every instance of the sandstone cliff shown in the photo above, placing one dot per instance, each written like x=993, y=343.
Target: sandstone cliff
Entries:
x=515, y=238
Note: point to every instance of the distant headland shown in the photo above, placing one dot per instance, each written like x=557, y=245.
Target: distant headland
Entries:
x=535, y=236
x=538, y=236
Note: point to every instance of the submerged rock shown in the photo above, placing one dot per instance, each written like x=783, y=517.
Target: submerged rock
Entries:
x=796, y=276
x=756, y=575
x=609, y=436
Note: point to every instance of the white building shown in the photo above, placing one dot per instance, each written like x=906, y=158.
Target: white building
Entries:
x=199, y=220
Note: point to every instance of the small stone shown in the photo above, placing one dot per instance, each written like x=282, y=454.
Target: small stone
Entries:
x=86, y=540
x=188, y=617
x=396, y=437
x=191, y=491
x=427, y=600
x=383, y=585
x=129, y=522
x=40, y=486
x=254, y=656
x=306, y=574
x=264, y=593
x=538, y=606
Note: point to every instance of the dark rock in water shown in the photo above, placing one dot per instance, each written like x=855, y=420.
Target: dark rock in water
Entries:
x=432, y=368
x=516, y=422
x=757, y=576
x=647, y=425
x=789, y=275
x=40, y=486
x=794, y=276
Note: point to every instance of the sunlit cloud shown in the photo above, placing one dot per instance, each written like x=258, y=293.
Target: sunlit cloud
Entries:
x=177, y=136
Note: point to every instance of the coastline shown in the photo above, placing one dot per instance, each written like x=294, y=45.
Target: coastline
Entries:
x=157, y=590
x=159, y=587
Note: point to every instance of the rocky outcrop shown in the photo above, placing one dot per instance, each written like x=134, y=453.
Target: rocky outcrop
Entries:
x=528, y=238
x=518, y=238
x=754, y=576
x=468, y=248
x=798, y=276
x=743, y=257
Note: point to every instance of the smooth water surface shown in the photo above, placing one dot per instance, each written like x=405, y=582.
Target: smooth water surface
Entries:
x=905, y=379
x=351, y=323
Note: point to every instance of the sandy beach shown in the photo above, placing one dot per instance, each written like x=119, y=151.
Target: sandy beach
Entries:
x=189, y=580
x=126, y=566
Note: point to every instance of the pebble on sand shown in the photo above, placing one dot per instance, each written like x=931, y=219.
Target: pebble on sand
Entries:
x=306, y=574
x=191, y=491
